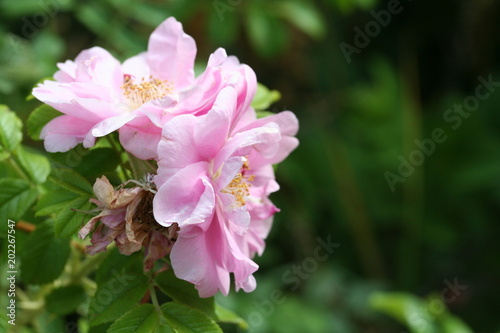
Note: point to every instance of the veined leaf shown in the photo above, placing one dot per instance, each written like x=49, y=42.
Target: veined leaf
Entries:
x=184, y=292
x=227, y=316
x=71, y=181
x=16, y=197
x=39, y=118
x=141, y=319
x=97, y=162
x=116, y=263
x=36, y=165
x=116, y=296
x=10, y=131
x=69, y=220
x=54, y=202
x=43, y=260
x=184, y=319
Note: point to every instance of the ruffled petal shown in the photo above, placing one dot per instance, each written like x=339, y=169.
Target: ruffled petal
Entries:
x=141, y=142
x=213, y=128
x=171, y=54
x=186, y=198
x=64, y=132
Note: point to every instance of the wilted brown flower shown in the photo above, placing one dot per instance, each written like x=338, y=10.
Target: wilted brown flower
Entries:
x=127, y=218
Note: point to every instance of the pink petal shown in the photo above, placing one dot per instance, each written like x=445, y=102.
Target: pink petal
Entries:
x=288, y=127
x=176, y=148
x=111, y=124
x=193, y=260
x=137, y=66
x=186, y=198
x=64, y=132
x=213, y=129
x=241, y=143
x=66, y=72
x=98, y=66
x=171, y=54
x=140, y=142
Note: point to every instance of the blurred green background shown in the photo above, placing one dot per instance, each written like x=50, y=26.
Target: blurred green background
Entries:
x=370, y=81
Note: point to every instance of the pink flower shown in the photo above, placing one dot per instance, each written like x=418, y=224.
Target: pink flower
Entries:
x=214, y=181
x=98, y=95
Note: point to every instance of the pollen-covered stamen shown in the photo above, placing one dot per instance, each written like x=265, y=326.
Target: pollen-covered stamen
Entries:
x=239, y=187
x=145, y=90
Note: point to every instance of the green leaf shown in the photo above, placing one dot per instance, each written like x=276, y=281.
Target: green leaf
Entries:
x=98, y=162
x=103, y=328
x=451, y=324
x=141, y=319
x=54, y=201
x=71, y=181
x=183, y=319
x=116, y=296
x=303, y=15
x=115, y=262
x=45, y=256
x=264, y=97
x=407, y=309
x=16, y=197
x=229, y=317
x=36, y=165
x=39, y=118
x=184, y=292
x=69, y=221
x=10, y=131
x=65, y=300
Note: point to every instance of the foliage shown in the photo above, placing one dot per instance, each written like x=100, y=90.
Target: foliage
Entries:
x=358, y=121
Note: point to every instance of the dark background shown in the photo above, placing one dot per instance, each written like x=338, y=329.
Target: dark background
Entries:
x=433, y=225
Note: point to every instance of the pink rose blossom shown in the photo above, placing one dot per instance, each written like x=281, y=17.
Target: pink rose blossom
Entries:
x=211, y=211
x=214, y=181
x=98, y=95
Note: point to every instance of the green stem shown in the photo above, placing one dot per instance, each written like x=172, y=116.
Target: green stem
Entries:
x=123, y=165
x=154, y=297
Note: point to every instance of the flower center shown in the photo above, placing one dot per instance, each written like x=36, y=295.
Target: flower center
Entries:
x=239, y=187
x=145, y=90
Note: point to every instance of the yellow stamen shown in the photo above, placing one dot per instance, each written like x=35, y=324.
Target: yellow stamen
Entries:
x=239, y=187
x=139, y=93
